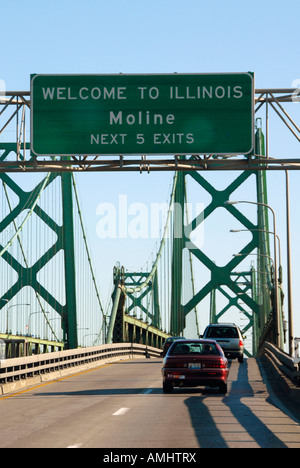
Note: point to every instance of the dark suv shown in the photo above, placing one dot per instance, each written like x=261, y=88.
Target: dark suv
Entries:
x=169, y=341
x=229, y=337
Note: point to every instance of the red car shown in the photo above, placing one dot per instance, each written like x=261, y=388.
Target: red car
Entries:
x=193, y=363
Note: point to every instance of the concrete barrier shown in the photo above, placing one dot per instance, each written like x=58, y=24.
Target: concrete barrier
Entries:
x=281, y=370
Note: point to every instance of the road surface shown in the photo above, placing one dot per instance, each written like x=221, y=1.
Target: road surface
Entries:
x=121, y=405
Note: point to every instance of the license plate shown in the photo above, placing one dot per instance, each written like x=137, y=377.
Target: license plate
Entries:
x=194, y=365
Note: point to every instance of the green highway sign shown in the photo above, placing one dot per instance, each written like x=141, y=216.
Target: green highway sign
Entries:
x=142, y=114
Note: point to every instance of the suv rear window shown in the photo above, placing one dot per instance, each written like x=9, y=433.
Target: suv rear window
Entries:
x=222, y=332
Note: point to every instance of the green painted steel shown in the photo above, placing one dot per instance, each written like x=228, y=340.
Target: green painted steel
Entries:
x=138, y=286
x=259, y=283
x=269, y=324
x=250, y=292
x=177, y=324
x=264, y=267
x=28, y=275
x=136, y=300
x=256, y=288
x=220, y=276
x=70, y=311
x=130, y=290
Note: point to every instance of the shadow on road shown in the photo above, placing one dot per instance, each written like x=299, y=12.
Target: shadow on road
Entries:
x=228, y=419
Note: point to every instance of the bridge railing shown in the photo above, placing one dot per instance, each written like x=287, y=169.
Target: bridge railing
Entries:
x=281, y=362
x=18, y=373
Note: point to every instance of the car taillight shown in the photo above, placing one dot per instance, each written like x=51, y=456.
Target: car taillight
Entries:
x=215, y=364
x=169, y=364
x=241, y=344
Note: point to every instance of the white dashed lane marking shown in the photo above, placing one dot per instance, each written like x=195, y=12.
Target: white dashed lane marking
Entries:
x=120, y=412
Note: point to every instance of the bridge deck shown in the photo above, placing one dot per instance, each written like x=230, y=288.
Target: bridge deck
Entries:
x=122, y=405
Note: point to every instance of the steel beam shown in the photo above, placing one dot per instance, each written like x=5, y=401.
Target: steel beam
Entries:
x=272, y=97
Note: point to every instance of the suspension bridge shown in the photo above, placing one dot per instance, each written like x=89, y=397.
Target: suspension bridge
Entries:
x=49, y=296
x=55, y=326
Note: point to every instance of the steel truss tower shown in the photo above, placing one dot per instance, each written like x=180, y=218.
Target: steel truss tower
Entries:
x=28, y=275
x=260, y=282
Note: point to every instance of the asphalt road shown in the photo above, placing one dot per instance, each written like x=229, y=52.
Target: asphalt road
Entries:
x=122, y=405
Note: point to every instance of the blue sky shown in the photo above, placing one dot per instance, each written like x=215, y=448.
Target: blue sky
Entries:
x=159, y=36
x=132, y=36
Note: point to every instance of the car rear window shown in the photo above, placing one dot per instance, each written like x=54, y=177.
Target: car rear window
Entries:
x=194, y=348
x=222, y=332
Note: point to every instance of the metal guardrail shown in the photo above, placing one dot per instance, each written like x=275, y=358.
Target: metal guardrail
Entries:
x=19, y=373
x=282, y=362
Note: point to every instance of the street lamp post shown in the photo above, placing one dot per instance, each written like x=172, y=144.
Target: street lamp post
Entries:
x=89, y=334
x=4, y=300
x=32, y=313
x=7, y=314
x=267, y=232
x=277, y=321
